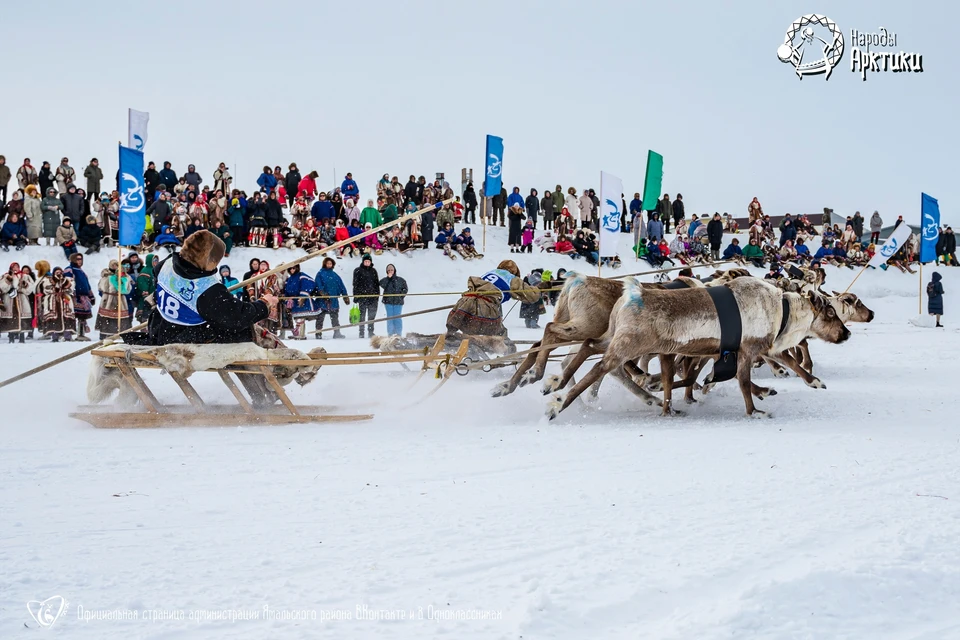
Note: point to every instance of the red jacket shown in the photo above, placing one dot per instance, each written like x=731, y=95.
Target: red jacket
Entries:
x=563, y=246
x=308, y=187
x=342, y=234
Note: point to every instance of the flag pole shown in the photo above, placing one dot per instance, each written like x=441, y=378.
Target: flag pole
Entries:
x=484, y=218
x=920, y=291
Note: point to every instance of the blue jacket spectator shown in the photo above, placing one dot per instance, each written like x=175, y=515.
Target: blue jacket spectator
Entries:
x=789, y=232
x=655, y=227
x=349, y=188
x=167, y=177
x=515, y=198
x=692, y=229
x=732, y=250
x=300, y=285
x=636, y=206
x=228, y=280
x=266, y=181
x=322, y=210
x=330, y=284
x=823, y=252
x=465, y=238
x=802, y=249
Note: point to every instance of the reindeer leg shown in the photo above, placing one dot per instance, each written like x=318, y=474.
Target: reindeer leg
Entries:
x=508, y=387
x=667, y=366
x=810, y=380
x=627, y=375
x=778, y=370
x=555, y=383
x=744, y=369
x=602, y=368
x=805, y=360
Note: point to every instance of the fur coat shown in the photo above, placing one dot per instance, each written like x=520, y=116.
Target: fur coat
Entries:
x=16, y=313
x=56, y=304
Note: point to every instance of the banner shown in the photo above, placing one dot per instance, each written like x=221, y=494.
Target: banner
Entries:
x=929, y=227
x=494, y=166
x=137, y=128
x=891, y=246
x=653, y=180
x=133, y=207
x=611, y=203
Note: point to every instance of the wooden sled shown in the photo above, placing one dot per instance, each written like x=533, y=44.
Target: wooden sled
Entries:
x=198, y=413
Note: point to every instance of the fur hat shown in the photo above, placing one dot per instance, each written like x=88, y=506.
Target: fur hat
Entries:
x=509, y=266
x=203, y=249
x=31, y=190
x=42, y=267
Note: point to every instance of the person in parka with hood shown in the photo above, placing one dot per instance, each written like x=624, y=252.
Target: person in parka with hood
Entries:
x=714, y=234
x=73, y=205
x=33, y=214
x=51, y=207
x=94, y=175
x=329, y=284
x=876, y=225
x=394, y=289
x=935, y=297
x=366, y=287
x=5, y=176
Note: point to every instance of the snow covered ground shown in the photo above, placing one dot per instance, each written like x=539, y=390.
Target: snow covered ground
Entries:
x=465, y=516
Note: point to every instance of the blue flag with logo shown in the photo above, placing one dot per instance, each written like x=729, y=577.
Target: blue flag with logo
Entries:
x=929, y=227
x=133, y=207
x=494, y=166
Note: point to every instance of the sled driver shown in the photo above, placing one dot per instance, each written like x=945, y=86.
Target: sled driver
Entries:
x=193, y=306
x=480, y=310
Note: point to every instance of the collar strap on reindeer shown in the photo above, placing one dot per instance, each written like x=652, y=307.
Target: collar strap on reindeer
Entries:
x=676, y=284
x=785, y=306
x=731, y=332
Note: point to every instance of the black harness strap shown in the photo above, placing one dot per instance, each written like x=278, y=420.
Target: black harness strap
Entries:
x=731, y=333
x=676, y=284
x=785, y=306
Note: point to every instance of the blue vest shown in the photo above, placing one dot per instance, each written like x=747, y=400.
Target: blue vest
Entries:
x=501, y=280
x=177, y=296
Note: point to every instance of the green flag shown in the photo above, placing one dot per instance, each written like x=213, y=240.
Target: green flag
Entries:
x=653, y=180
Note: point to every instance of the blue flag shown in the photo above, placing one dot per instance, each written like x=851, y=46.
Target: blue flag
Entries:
x=494, y=166
x=929, y=227
x=133, y=206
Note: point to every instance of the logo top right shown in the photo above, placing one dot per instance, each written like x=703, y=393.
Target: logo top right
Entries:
x=810, y=54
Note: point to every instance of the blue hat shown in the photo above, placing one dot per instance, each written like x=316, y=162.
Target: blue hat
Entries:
x=466, y=230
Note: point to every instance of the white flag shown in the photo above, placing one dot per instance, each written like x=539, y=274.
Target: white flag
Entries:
x=137, y=129
x=611, y=200
x=891, y=246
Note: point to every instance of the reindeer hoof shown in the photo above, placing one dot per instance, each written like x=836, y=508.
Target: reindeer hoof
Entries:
x=500, y=390
x=780, y=372
x=656, y=386
x=690, y=400
x=551, y=384
x=705, y=389
x=757, y=414
x=816, y=383
x=528, y=378
x=554, y=408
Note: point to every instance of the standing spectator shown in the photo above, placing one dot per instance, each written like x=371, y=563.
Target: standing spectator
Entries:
x=636, y=214
x=55, y=314
x=94, y=175
x=114, y=313
x=499, y=206
x=167, y=177
x=27, y=175
x=410, y=190
x=65, y=175
x=572, y=208
x=586, y=209
x=73, y=205
x=949, y=251
x=876, y=225
x=714, y=234
x=266, y=181
x=160, y=211
x=394, y=289
x=191, y=177
x=146, y=286
x=858, y=226
x=331, y=286
x=665, y=209
x=46, y=178
x=304, y=307
x=16, y=312
x=595, y=211
x=222, y=180
x=216, y=207
x=51, y=206
x=679, y=213
x=349, y=188
x=33, y=214
x=515, y=199
x=655, y=227
x=273, y=216
x=151, y=180
x=470, y=200
x=532, y=204
x=308, y=186
x=514, y=235
x=84, y=298
x=935, y=297
x=292, y=183
x=548, y=210
x=4, y=180
x=366, y=286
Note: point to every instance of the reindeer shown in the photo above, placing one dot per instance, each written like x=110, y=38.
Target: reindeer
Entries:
x=686, y=322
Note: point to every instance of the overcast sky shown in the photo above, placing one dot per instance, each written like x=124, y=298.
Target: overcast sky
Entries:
x=573, y=87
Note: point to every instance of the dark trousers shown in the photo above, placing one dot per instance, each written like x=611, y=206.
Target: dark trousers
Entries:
x=497, y=211
x=874, y=236
x=334, y=319
x=368, y=312
x=92, y=195
x=3, y=197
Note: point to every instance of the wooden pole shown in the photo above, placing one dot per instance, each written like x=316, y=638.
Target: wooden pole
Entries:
x=920, y=291
x=283, y=267
x=849, y=286
x=405, y=315
x=484, y=234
